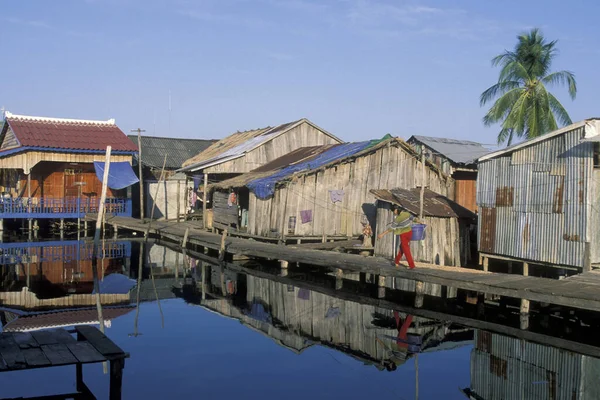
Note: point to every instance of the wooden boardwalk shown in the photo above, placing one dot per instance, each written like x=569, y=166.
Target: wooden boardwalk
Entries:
x=581, y=291
x=57, y=347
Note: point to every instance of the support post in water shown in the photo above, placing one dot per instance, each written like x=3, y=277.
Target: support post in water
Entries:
x=380, y=286
x=486, y=263
x=222, y=248
x=339, y=279
x=420, y=294
x=524, y=314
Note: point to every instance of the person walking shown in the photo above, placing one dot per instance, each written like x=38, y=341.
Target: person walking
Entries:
x=402, y=227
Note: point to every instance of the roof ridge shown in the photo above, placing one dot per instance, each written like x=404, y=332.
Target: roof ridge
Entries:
x=170, y=138
x=32, y=118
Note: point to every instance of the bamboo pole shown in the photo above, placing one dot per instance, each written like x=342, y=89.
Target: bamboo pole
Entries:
x=204, y=198
x=140, y=169
x=422, y=183
x=99, y=222
x=139, y=284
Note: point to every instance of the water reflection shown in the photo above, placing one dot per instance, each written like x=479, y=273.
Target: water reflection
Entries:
x=431, y=341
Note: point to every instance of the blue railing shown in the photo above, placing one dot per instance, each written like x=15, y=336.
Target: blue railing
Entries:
x=65, y=251
x=61, y=208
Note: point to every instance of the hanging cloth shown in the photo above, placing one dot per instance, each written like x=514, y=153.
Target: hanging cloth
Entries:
x=306, y=216
x=336, y=195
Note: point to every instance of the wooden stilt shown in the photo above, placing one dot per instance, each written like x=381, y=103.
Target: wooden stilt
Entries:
x=419, y=290
x=178, y=199
x=381, y=286
x=486, y=262
x=525, y=269
x=116, y=378
x=204, y=198
x=222, y=248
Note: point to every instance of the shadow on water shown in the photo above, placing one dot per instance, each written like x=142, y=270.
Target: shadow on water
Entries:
x=436, y=338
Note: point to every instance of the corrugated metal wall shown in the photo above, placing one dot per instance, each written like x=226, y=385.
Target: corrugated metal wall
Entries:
x=535, y=202
x=503, y=367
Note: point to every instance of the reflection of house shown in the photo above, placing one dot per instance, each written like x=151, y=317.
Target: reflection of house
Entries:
x=538, y=200
x=298, y=318
x=327, y=191
x=173, y=194
x=242, y=152
x=503, y=367
x=55, y=269
x=27, y=322
x=456, y=158
x=47, y=166
x=448, y=233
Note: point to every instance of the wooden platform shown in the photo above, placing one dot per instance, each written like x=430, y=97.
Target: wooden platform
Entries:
x=579, y=292
x=57, y=347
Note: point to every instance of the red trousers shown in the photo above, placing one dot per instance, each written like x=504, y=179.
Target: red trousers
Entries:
x=404, y=249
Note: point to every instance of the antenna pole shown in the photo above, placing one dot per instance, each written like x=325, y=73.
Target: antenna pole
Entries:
x=139, y=133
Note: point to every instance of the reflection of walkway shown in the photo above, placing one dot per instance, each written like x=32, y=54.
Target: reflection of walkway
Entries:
x=28, y=300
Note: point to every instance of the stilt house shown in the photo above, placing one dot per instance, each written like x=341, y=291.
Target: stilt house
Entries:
x=243, y=152
x=324, y=191
x=538, y=200
x=48, y=170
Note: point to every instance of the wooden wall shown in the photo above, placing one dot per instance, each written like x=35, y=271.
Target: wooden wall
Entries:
x=447, y=242
x=386, y=167
x=301, y=136
x=27, y=160
x=49, y=180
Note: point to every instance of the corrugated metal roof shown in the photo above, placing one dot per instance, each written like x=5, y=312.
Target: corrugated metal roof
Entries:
x=57, y=133
x=177, y=150
x=457, y=151
x=434, y=204
x=591, y=130
x=294, y=157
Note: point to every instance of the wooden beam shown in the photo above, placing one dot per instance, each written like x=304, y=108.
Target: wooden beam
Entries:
x=204, y=197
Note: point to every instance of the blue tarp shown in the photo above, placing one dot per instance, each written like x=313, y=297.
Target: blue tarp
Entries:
x=120, y=174
x=264, y=188
x=116, y=284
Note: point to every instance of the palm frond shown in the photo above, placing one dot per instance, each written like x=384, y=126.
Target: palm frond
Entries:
x=514, y=71
x=502, y=107
x=496, y=90
x=562, y=77
x=506, y=135
x=557, y=109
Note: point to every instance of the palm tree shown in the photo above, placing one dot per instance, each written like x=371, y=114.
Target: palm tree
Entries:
x=523, y=105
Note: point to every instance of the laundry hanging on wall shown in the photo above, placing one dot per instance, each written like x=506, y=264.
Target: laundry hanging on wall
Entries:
x=336, y=195
x=306, y=216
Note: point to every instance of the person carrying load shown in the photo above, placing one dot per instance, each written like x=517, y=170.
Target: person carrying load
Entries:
x=402, y=227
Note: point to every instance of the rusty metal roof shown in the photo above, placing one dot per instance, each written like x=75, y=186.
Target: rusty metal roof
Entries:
x=434, y=204
x=294, y=157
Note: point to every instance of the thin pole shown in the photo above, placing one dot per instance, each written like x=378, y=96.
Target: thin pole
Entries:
x=99, y=226
x=417, y=376
x=422, y=184
x=204, y=201
x=139, y=283
x=139, y=132
x=160, y=179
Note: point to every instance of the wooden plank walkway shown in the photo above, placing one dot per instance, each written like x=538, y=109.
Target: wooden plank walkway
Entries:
x=57, y=347
x=560, y=292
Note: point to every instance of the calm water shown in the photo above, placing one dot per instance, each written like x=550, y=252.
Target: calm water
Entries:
x=260, y=336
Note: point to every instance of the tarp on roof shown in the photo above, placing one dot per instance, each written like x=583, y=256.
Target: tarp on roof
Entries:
x=263, y=188
x=120, y=174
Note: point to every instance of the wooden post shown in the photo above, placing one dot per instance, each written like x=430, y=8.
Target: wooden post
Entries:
x=486, y=262
x=203, y=280
x=222, y=248
x=283, y=263
x=116, y=378
x=140, y=171
x=381, y=286
x=178, y=199
x=79, y=385
x=283, y=221
x=185, y=238
x=99, y=222
x=510, y=265
x=339, y=278
x=139, y=284
x=422, y=199
x=419, y=290
x=525, y=269
x=587, y=260
x=204, y=200
x=29, y=203
x=524, y=314
x=324, y=239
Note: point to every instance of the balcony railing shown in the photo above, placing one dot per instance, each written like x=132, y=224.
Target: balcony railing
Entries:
x=61, y=208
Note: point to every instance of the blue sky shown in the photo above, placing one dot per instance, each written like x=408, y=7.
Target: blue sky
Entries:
x=358, y=68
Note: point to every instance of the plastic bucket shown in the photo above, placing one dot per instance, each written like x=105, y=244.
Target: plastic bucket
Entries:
x=418, y=232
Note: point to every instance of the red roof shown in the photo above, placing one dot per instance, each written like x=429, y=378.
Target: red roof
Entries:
x=64, y=318
x=68, y=133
